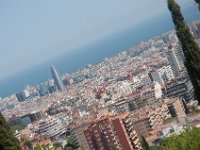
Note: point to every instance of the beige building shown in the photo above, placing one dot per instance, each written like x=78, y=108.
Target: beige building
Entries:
x=148, y=118
x=78, y=135
x=177, y=109
x=152, y=117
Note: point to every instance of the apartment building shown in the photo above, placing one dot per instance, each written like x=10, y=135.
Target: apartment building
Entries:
x=152, y=117
x=180, y=88
x=51, y=127
x=110, y=132
x=78, y=135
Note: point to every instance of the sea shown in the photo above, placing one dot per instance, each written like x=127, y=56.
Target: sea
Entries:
x=95, y=52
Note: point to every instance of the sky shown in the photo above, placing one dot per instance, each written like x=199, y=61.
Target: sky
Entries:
x=34, y=31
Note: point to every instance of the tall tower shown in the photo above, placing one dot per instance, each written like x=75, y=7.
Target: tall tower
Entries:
x=176, y=58
x=56, y=78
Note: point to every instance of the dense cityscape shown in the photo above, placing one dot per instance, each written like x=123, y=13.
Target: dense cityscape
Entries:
x=144, y=98
x=142, y=92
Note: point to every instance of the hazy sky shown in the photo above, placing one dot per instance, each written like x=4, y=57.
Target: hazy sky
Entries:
x=33, y=31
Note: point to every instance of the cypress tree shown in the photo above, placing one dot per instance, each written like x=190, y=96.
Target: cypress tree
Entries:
x=189, y=46
x=7, y=139
x=198, y=2
x=145, y=145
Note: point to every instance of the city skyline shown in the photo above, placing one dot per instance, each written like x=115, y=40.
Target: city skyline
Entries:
x=93, y=53
x=28, y=32
x=100, y=75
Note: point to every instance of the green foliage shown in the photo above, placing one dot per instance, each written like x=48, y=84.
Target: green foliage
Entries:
x=68, y=148
x=28, y=144
x=17, y=127
x=145, y=145
x=38, y=147
x=7, y=139
x=70, y=145
x=189, y=139
x=195, y=110
x=154, y=148
x=69, y=141
x=57, y=144
x=43, y=147
x=189, y=46
x=113, y=147
x=198, y=2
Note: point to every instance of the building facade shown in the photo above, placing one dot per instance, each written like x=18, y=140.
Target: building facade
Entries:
x=180, y=88
x=51, y=127
x=146, y=119
x=175, y=58
x=152, y=117
x=57, y=79
x=111, y=132
x=78, y=135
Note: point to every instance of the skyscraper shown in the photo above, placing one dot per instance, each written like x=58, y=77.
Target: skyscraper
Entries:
x=176, y=58
x=56, y=78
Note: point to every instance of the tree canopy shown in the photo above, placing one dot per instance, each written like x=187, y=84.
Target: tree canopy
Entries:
x=144, y=143
x=198, y=2
x=189, y=139
x=70, y=145
x=189, y=46
x=7, y=139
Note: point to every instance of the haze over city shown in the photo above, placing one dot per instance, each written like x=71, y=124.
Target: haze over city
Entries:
x=105, y=75
x=47, y=30
x=33, y=33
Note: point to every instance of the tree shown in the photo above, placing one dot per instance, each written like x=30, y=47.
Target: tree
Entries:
x=70, y=144
x=113, y=147
x=57, y=144
x=187, y=140
x=145, y=145
x=43, y=147
x=68, y=148
x=154, y=147
x=17, y=127
x=198, y=2
x=7, y=139
x=28, y=144
x=189, y=46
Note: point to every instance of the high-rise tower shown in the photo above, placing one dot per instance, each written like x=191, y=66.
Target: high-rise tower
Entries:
x=176, y=58
x=56, y=78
